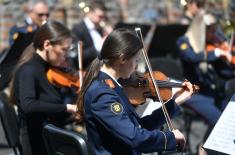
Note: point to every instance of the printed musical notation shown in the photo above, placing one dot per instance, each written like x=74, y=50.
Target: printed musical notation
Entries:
x=222, y=137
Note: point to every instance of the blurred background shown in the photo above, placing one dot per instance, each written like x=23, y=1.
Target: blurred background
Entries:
x=161, y=26
x=69, y=12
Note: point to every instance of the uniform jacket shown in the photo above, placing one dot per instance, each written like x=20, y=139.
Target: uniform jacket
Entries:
x=113, y=127
x=191, y=65
x=23, y=27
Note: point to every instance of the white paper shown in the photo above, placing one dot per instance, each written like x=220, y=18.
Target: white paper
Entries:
x=147, y=108
x=222, y=137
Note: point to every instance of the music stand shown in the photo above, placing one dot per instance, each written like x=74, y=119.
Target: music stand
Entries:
x=10, y=59
x=164, y=40
x=131, y=26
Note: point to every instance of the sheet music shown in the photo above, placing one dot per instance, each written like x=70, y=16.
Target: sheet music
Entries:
x=147, y=108
x=222, y=137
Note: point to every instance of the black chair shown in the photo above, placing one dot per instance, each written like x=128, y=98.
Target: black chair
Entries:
x=10, y=124
x=63, y=142
x=229, y=88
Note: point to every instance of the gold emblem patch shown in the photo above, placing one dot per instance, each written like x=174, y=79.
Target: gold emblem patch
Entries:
x=183, y=46
x=116, y=108
x=15, y=36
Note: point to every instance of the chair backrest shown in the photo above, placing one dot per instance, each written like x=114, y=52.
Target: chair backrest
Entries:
x=171, y=68
x=9, y=121
x=62, y=142
x=229, y=88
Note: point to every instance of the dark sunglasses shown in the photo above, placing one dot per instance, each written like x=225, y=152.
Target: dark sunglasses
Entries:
x=43, y=14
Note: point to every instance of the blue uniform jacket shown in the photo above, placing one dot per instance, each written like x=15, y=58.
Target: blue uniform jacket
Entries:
x=190, y=62
x=22, y=28
x=113, y=127
x=187, y=53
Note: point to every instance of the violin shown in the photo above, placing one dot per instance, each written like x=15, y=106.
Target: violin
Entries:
x=62, y=78
x=138, y=88
x=233, y=55
x=215, y=39
x=65, y=76
x=223, y=46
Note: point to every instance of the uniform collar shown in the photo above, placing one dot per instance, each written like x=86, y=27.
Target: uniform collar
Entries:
x=118, y=89
x=115, y=80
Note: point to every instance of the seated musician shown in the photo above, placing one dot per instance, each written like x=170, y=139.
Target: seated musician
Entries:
x=224, y=66
x=36, y=13
x=113, y=127
x=195, y=60
x=38, y=100
x=91, y=32
x=194, y=57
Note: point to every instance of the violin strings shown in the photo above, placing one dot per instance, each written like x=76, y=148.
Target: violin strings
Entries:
x=168, y=121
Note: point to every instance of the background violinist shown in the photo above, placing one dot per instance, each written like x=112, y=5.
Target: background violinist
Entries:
x=196, y=62
x=39, y=101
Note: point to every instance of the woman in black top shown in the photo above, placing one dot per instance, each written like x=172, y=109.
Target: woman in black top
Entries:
x=39, y=101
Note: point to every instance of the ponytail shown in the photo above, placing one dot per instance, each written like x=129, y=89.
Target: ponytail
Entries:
x=119, y=42
x=91, y=74
x=53, y=31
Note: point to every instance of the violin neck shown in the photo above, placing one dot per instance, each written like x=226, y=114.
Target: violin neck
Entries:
x=168, y=84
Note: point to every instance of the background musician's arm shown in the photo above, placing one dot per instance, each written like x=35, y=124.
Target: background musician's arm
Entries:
x=187, y=53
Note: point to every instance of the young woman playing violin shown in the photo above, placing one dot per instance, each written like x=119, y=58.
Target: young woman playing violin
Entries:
x=39, y=101
x=113, y=127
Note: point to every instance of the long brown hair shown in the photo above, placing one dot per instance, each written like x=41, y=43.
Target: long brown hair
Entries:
x=119, y=42
x=53, y=31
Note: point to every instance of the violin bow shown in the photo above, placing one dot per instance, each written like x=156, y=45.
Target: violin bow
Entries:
x=231, y=41
x=147, y=40
x=80, y=62
x=144, y=52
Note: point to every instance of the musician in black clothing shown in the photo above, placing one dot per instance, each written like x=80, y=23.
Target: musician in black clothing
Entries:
x=90, y=32
x=39, y=101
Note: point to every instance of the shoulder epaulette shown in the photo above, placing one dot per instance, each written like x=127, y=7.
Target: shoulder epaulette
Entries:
x=110, y=83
